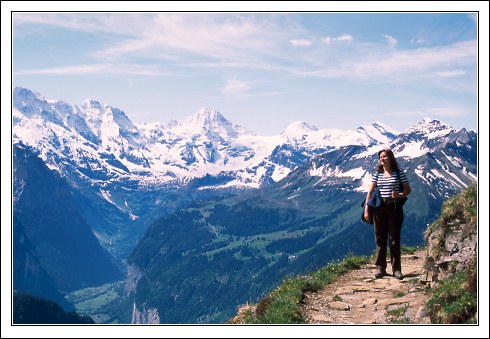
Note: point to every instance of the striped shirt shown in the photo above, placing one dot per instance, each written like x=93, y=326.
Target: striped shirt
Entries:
x=387, y=185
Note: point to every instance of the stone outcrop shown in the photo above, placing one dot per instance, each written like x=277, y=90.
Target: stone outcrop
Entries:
x=134, y=275
x=452, y=240
x=144, y=315
x=141, y=314
x=458, y=252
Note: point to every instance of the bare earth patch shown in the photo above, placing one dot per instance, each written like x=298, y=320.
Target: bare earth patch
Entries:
x=358, y=298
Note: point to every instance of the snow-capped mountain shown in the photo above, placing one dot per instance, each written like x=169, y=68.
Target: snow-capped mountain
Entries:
x=123, y=173
x=99, y=143
x=204, y=143
x=306, y=135
x=443, y=158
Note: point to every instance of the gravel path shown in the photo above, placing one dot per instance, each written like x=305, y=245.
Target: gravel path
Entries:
x=358, y=298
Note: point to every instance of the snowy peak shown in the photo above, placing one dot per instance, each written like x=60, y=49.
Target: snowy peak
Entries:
x=27, y=102
x=206, y=117
x=298, y=129
x=93, y=120
x=378, y=128
x=208, y=121
x=309, y=136
x=428, y=135
x=116, y=120
x=430, y=126
x=92, y=106
x=378, y=133
x=106, y=121
x=32, y=105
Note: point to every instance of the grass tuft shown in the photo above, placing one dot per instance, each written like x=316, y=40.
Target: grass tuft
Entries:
x=454, y=301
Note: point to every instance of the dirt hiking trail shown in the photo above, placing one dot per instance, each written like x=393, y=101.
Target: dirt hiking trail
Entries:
x=358, y=298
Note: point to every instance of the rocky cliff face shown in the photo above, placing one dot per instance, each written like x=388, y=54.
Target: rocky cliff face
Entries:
x=144, y=315
x=134, y=275
x=452, y=239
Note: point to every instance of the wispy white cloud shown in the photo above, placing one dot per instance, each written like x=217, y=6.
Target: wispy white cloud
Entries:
x=392, y=42
x=326, y=40
x=213, y=36
x=373, y=63
x=184, y=42
x=301, y=42
x=342, y=38
x=235, y=87
x=451, y=73
x=146, y=70
x=122, y=24
x=169, y=36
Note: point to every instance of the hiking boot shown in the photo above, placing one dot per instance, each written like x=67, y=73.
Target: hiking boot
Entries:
x=398, y=275
x=380, y=273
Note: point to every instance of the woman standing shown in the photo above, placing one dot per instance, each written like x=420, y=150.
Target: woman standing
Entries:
x=388, y=218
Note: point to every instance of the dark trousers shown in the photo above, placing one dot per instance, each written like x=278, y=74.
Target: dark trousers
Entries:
x=388, y=220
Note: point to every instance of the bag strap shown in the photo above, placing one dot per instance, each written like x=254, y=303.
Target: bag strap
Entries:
x=400, y=188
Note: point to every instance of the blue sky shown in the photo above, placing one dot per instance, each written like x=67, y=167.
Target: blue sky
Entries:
x=260, y=70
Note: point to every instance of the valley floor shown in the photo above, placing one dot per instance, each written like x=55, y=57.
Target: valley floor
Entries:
x=358, y=298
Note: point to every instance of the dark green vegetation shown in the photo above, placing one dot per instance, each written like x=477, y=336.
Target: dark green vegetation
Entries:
x=94, y=301
x=53, y=245
x=454, y=301
x=28, y=275
x=204, y=261
x=28, y=309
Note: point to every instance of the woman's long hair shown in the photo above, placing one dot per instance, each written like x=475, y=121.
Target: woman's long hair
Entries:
x=393, y=163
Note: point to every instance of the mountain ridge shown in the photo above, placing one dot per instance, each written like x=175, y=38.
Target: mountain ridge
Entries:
x=158, y=148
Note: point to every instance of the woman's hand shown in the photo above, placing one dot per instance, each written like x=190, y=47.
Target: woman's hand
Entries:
x=366, y=214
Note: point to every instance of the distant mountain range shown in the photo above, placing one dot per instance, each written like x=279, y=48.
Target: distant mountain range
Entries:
x=101, y=144
x=243, y=209
x=121, y=171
